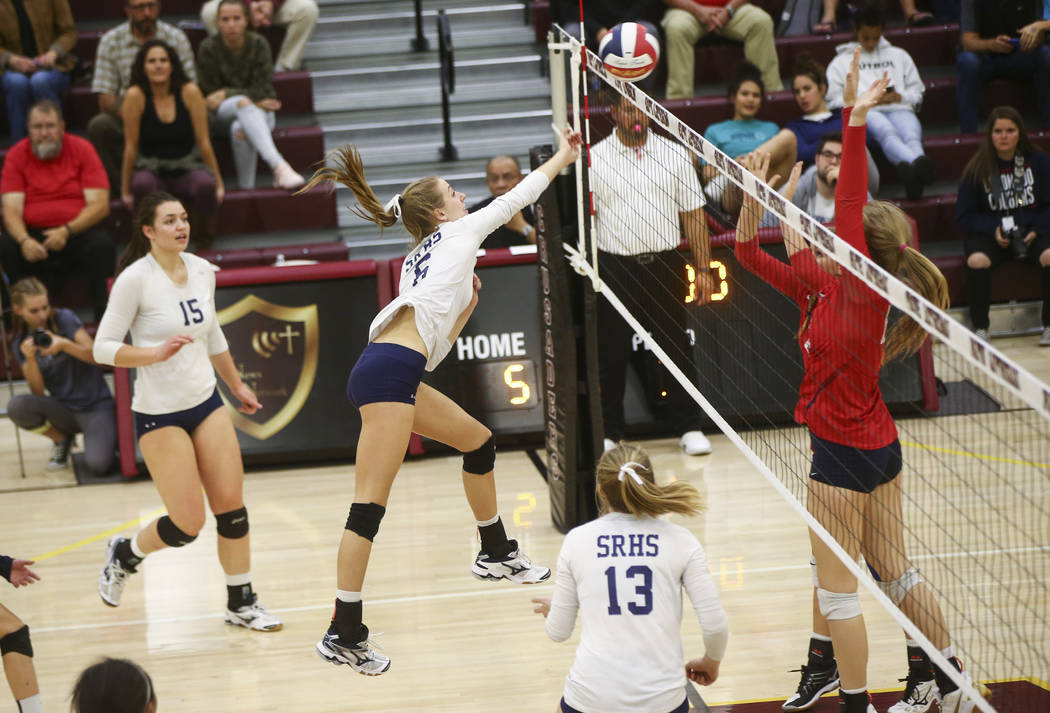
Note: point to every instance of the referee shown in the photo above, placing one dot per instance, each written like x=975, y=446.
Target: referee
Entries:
x=646, y=196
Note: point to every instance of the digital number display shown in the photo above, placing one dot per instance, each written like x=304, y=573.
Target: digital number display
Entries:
x=719, y=270
x=505, y=385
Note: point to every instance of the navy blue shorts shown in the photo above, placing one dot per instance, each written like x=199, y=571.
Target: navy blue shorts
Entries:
x=854, y=468
x=187, y=420
x=385, y=373
x=684, y=708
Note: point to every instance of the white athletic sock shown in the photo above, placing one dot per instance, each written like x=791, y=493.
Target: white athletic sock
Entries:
x=491, y=521
x=135, y=549
x=853, y=690
x=820, y=637
x=30, y=705
x=948, y=651
x=239, y=580
x=344, y=595
x=908, y=641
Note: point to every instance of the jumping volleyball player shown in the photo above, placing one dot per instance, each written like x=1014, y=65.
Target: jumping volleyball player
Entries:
x=854, y=491
x=166, y=298
x=626, y=571
x=437, y=293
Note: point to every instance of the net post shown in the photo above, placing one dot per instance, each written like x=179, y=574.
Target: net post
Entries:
x=559, y=102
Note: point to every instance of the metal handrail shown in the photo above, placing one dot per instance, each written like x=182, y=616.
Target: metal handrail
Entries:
x=420, y=43
x=448, y=83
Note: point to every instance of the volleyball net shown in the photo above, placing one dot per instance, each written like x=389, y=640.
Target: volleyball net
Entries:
x=974, y=426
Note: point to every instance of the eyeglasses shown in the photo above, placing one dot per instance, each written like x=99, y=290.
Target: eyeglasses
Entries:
x=50, y=126
x=830, y=156
x=142, y=6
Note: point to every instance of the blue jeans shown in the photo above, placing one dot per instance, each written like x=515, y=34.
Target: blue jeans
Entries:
x=976, y=68
x=22, y=91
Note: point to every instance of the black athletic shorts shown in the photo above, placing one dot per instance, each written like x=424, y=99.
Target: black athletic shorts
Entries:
x=854, y=468
x=187, y=420
x=684, y=708
x=385, y=373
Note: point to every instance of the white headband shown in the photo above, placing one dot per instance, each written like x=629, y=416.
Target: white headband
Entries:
x=394, y=206
x=627, y=469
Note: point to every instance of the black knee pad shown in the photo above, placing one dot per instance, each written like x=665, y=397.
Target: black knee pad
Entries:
x=171, y=535
x=482, y=460
x=17, y=642
x=364, y=519
x=232, y=525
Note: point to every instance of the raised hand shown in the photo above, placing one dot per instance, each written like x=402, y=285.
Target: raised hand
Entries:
x=849, y=88
x=788, y=191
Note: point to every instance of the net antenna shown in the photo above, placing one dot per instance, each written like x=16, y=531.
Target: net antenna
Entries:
x=977, y=493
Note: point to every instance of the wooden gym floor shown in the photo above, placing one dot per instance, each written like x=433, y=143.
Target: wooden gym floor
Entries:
x=457, y=644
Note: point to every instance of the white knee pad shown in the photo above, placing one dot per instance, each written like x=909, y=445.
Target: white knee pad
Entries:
x=838, y=605
x=897, y=589
x=813, y=572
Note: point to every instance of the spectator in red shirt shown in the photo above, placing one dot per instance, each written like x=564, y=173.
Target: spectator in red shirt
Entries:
x=55, y=193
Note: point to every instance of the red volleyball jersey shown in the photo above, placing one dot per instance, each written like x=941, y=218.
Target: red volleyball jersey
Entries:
x=842, y=321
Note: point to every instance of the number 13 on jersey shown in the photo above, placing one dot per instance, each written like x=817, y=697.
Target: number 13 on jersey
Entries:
x=641, y=576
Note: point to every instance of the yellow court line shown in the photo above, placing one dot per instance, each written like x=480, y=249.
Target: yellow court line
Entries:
x=99, y=536
x=950, y=451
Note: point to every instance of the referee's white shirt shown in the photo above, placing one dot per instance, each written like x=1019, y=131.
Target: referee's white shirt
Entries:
x=437, y=277
x=631, y=661
x=639, y=192
x=146, y=302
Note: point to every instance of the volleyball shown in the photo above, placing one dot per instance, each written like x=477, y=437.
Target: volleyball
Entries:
x=629, y=51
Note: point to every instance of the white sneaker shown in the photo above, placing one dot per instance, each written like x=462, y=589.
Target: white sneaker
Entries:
x=515, y=567
x=918, y=697
x=608, y=444
x=1044, y=340
x=956, y=702
x=286, y=177
x=695, y=443
x=114, y=575
x=253, y=616
x=361, y=657
x=981, y=334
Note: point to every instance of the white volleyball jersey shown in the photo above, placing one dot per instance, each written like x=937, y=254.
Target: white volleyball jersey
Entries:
x=626, y=575
x=437, y=277
x=146, y=302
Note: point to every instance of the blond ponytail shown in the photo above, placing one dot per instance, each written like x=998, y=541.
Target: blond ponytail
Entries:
x=625, y=478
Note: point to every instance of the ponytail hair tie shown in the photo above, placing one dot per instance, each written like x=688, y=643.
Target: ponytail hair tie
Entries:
x=903, y=247
x=394, y=206
x=628, y=469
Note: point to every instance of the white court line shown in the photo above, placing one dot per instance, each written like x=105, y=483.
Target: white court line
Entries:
x=483, y=593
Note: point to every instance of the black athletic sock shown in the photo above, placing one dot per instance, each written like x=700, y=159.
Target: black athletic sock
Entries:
x=821, y=653
x=944, y=684
x=127, y=558
x=1044, y=279
x=347, y=621
x=240, y=595
x=854, y=702
x=978, y=288
x=494, y=540
x=919, y=664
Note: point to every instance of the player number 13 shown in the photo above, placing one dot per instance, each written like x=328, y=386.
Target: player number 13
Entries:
x=642, y=577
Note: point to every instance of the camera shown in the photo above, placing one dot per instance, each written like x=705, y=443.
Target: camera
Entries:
x=41, y=338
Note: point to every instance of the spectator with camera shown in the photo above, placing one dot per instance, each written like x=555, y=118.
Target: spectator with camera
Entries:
x=297, y=17
x=55, y=196
x=113, y=61
x=68, y=393
x=1004, y=208
x=1002, y=41
x=36, y=44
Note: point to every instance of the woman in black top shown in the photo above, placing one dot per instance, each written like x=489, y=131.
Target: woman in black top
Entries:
x=1004, y=209
x=166, y=142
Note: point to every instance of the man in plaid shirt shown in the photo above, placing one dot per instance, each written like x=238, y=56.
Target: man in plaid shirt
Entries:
x=116, y=53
